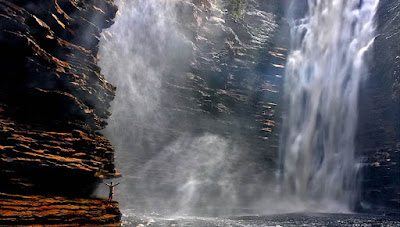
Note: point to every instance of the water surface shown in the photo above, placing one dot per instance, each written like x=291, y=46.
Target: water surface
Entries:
x=283, y=220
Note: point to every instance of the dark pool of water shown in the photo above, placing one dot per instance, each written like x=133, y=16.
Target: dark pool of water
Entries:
x=281, y=220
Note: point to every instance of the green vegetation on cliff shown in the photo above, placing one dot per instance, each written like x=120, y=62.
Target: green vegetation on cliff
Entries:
x=238, y=8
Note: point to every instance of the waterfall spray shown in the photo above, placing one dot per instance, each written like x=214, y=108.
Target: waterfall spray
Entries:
x=323, y=76
x=173, y=153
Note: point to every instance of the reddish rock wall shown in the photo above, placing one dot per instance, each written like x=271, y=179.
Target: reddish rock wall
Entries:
x=31, y=210
x=53, y=99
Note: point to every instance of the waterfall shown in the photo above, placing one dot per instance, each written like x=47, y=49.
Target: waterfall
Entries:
x=324, y=72
x=175, y=156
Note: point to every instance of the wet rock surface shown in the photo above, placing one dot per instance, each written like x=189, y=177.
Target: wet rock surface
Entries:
x=237, y=66
x=379, y=123
x=53, y=99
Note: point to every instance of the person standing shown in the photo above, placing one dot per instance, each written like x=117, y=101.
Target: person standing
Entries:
x=111, y=193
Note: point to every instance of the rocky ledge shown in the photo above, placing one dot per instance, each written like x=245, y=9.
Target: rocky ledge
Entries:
x=53, y=100
x=31, y=210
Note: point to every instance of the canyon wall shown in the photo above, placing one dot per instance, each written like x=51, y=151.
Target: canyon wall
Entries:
x=379, y=123
x=53, y=100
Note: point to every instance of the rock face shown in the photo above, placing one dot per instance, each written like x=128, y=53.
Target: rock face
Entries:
x=379, y=124
x=239, y=53
x=27, y=210
x=53, y=99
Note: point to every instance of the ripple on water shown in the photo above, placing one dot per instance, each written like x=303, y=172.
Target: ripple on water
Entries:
x=283, y=220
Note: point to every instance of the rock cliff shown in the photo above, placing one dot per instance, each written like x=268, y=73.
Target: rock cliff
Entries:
x=53, y=100
x=379, y=123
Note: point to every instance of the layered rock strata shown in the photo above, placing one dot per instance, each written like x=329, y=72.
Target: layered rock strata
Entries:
x=38, y=210
x=53, y=99
x=238, y=55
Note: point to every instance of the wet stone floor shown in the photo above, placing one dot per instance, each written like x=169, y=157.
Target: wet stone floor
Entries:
x=282, y=220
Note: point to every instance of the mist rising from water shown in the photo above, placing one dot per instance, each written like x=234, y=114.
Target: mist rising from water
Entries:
x=323, y=76
x=171, y=154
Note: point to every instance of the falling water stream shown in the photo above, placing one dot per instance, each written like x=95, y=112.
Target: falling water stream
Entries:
x=173, y=158
x=324, y=73
x=204, y=173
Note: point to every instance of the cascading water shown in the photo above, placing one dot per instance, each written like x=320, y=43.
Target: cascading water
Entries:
x=173, y=155
x=323, y=76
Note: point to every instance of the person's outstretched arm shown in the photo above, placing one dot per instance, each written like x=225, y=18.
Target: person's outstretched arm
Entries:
x=117, y=184
x=106, y=184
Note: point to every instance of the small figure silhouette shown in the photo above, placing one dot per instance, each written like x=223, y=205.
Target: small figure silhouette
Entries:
x=111, y=187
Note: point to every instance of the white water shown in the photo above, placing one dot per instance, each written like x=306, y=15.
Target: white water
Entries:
x=172, y=157
x=323, y=76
